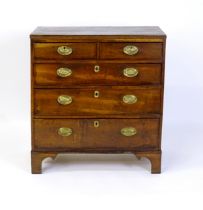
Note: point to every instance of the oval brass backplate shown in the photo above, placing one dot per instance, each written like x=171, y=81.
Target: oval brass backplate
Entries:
x=129, y=99
x=65, y=131
x=130, y=50
x=130, y=72
x=128, y=131
x=64, y=99
x=64, y=50
x=64, y=72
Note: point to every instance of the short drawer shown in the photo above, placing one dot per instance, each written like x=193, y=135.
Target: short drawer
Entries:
x=135, y=51
x=112, y=100
x=49, y=133
x=65, y=51
x=97, y=74
x=96, y=133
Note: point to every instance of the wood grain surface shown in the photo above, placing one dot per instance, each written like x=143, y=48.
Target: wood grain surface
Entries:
x=84, y=74
x=106, y=135
x=79, y=51
x=110, y=101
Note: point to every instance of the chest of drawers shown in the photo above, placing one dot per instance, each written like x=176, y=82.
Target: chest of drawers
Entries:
x=97, y=90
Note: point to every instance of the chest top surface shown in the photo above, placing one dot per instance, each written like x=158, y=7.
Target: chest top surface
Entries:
x=102, y=30
x=98, y=33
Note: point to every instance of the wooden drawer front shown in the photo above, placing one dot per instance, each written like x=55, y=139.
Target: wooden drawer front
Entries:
x=46, y=133
x=106, y=134
x=108, y=100
x=97, y=74
x=46, y=74
x=146, y=51
x=143, y=74
x=79, y=51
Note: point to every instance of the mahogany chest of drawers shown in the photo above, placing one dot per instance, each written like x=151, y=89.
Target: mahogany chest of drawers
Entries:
x=97, y=90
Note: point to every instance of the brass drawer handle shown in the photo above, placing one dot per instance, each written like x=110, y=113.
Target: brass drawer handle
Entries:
x=65, y=131
x=64, y=50
x=128, y=131
x=129, y=99
x=64, y=72
x=130, y=50
x=64, y=100
x=96, y=68
x=130, y=72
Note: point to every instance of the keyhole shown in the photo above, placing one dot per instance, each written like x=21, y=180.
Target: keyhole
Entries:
x=96, y=124
x=96, y=68
x=96, y=94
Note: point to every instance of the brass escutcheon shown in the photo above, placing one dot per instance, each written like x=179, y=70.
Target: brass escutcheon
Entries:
x=96, y=68
x=96, y=94
x=96, y=123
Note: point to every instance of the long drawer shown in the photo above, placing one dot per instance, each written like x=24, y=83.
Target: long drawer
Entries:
x=97, y=74
x=111, y=100
x=96, y=133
